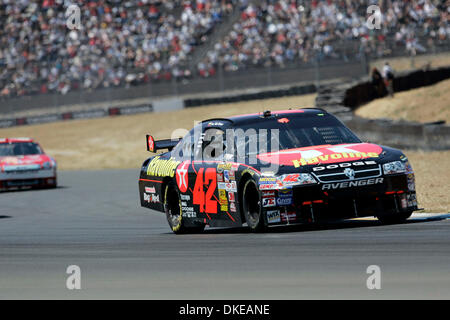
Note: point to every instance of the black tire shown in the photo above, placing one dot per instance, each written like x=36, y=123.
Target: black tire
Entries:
x=394, y=218
x=174, y=214
x=251, y=205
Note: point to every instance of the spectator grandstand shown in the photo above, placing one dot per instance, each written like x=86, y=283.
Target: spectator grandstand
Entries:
x=280, y=32
x=120, y=42
x=123, y=43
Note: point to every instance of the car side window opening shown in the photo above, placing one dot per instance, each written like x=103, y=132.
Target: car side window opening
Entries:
x=185, y=148
x=213, y=144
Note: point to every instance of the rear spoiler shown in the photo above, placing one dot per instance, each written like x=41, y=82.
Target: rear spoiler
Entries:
x=155, y=146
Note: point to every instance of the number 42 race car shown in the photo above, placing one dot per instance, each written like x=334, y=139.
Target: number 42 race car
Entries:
x=274, y=168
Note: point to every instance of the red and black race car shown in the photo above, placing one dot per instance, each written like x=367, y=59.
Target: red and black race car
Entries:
x=23, y=163
x=274, y=168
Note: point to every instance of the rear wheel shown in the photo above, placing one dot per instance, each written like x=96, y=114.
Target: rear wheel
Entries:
x=394, y=218
x=174, y=214
x=252, y=206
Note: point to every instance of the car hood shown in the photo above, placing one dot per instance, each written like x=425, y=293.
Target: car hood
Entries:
x=304, y=159
x=24, y=160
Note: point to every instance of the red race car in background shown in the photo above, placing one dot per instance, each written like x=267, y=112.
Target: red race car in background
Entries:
x=23, y=163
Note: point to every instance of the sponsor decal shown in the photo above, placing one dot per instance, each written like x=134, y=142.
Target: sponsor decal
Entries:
x=231, y=197
x=288, y=217
x=21, y=168
x=285, y=193
x=285, y=197
x=188, y=212
x=268, y=193
x=403, y=201
x=185, y=197
x=273, y=186
x=269, y=202
x=268, y=183
x=233, y=206
x=412, y=200
x=344, y=165
x=151, y=198
x=151, y=144
x=232, y=175
x=162, y=168
x=284, y=201
x=223, y=200
x=224, y=208
x=226, y=175
x=351, y=184
x=273, y=216
x=182, y=176
x=228, y=186
x=319, y=155
x=411, y=182
x=220, y=177
x=267, y=180
x=215, y=124
x=150, y=189
x=223, y=166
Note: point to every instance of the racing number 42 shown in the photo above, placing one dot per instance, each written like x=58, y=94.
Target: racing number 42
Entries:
x=200, y=197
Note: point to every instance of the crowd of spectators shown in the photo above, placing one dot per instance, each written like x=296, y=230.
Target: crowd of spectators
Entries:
x=119, y=42
x=122, y=43
x=280, y=32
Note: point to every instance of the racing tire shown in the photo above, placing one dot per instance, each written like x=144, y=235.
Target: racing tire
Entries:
x=174, y=214
x=251, y=205
x=394, y=218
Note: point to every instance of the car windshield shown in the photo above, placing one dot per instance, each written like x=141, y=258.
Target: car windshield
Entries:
x=19, y=149
x=298, y=132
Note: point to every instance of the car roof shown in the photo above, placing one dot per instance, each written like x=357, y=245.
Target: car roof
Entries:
x=14, y=140
x=245, y=118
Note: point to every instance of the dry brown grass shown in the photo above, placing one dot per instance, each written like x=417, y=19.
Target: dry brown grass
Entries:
x=425, y=104
x=402, y=63
x=432, y=179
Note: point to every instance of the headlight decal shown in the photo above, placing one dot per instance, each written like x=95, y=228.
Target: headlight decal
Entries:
x=394, y=167
x=297, y=179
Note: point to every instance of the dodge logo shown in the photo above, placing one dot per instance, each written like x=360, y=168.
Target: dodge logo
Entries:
x=350, y=173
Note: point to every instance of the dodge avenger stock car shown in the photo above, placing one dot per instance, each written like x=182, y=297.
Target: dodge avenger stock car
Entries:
x=23, y=163
x=274, y=168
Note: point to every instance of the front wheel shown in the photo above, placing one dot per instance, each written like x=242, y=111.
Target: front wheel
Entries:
x=174, y=214
x=252, y=207
x=394, y=218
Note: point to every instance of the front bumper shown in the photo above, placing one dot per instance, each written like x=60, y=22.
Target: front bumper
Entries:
x=38, y=178
x=312, y=203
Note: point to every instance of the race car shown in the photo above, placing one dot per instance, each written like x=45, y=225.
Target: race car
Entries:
x=274, y=168
x=24, y=164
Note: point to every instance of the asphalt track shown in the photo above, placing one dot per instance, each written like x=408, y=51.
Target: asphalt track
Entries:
x=94, y=221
